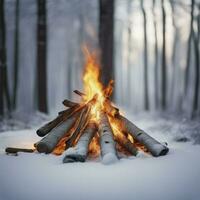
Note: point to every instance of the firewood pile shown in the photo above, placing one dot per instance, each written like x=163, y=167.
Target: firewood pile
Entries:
x=94, y=125
x=72, y=131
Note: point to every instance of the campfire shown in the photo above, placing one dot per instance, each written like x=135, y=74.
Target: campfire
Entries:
x=94, y=126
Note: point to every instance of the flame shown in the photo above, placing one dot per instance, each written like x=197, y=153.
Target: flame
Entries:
x=94, y=147
x=93, y=87
x=116, y=127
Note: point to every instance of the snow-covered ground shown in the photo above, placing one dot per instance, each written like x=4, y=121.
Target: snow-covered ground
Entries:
x=43, y=177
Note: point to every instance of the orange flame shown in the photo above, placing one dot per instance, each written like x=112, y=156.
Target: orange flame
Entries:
x=93, y=86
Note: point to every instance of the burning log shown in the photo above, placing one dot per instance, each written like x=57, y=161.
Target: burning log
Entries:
x=152, y=145
x=79, y=153
x=110, y=109
x=82, y=122
x=69, y=103
x=48, y=143
x=126, y=144
x=107, y=143
x=63, y=115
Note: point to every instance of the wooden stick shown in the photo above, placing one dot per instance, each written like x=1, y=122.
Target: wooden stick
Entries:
x=107, y=143
x=82, y=122
x=14, y=150
x=79, y=93
x=69, y=103
x=152, y=145
x=80, y=151
x=52, y=124
x=48, y=143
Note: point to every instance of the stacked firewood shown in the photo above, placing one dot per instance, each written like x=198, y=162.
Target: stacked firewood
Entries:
x=72, y=131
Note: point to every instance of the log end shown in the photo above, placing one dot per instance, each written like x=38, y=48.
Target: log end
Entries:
x=164, y=151
x=43, y=148
x=159, y=150
x=41, y=132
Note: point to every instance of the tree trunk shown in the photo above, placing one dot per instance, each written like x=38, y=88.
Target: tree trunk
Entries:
x=2, y=57
x=146, y=91
x=4, y=93
x=80, y=151
x=174, y=65
x=107, y=143
x=164, y=66
x=152, y=145
x=156, y=56
x=197, y=66
x=16, y=55
x=41, y=57
x=106, y=27
x=189, y=48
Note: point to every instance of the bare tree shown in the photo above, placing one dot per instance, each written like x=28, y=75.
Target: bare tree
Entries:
x=41, y=57
x=164, y=65
x=156, y=54
x=197, y=66
x=129, y=48
x=106, y=26
x=146, y=91
x=16, y=55
x=174, y=52
x=189, y=47
x=4, y=93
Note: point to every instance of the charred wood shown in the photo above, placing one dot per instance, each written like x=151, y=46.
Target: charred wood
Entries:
x=126, y=144
x=79, y=93
x=69, y=103
x=13, y=150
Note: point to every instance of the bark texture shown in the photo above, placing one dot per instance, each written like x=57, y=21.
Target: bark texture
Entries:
x=152, y=145
x=48, y=143
x=80, y=151
x=107, y=143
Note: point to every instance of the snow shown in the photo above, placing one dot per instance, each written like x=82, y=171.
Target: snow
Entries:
x=39, y=176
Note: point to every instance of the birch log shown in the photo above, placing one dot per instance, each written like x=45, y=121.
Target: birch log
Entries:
x=152, y=145
x=80, y=151
x=52, y=124
x=107, y=143
x=48, y=143
x=81, y=124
